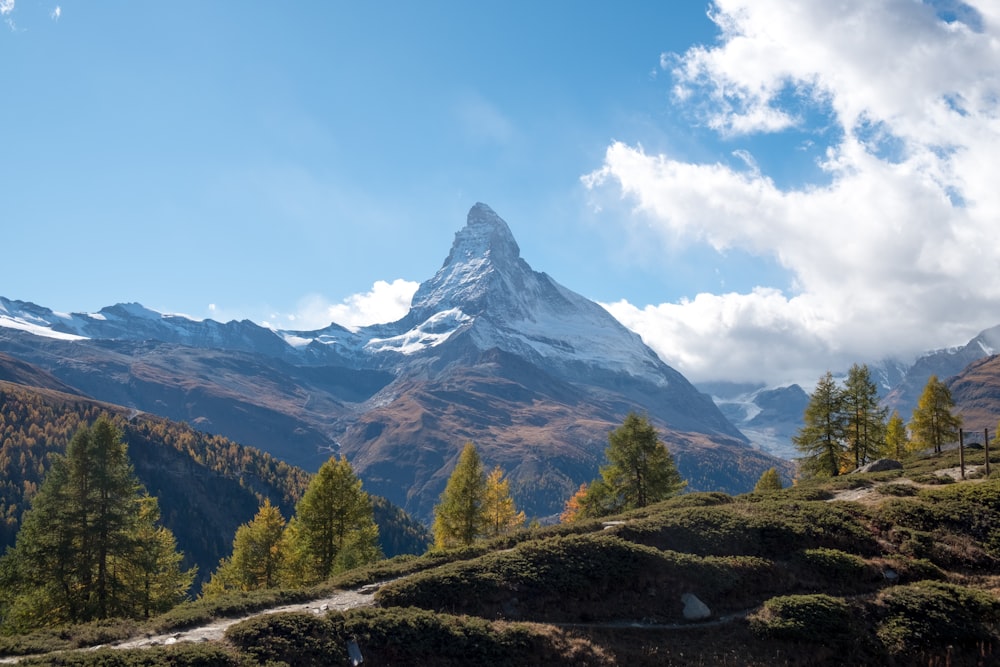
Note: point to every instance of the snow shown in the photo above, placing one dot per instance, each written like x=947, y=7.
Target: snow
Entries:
x=297, y=342
x=35, y=328
x=431, y=333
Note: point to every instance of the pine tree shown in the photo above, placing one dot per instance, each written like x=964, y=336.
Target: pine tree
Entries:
x=821, y=438
x=896, y=440
x=864, y=418
x=933, y=424
x=501, y=516
x=258, y=555
x=88, y=547
x=458, y=517
x=769, y=481
x=640, y=471
x=335, y=528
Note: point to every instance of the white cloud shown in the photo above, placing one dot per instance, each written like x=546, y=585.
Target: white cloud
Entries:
x=385, y=302
x=896, y=251
x=6, y=7
x=56, y=13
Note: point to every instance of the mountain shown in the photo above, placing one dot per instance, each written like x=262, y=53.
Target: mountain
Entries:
x=490, y=351
x=768, y=417
x=944, y=364
x=976, y=392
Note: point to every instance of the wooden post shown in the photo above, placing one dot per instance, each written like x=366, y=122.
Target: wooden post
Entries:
x=961, y=451
x=986, y=446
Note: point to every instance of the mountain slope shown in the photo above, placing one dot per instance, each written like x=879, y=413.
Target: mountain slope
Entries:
x=490, y=351
x=206, y=485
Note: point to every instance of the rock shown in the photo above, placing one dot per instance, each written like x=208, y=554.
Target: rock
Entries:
x=879, y=465
x=694, y=609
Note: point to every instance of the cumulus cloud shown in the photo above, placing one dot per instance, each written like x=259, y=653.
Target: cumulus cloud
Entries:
x=6, y=7
x=56, y=13
x=895, y=251
x=385, y=302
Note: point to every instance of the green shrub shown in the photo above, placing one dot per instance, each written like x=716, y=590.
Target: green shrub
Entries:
x=294, y=638
x=896, y=489
x=933, y=614
x=406, y=636
x=771, y=528
x=819, y=618
x=583, y=577
x=179, y=655
x=835, y=570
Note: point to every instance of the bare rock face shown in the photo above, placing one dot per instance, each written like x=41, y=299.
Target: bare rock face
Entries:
x=695, y=609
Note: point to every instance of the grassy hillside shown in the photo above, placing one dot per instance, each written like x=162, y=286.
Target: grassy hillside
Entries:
x=891, y=568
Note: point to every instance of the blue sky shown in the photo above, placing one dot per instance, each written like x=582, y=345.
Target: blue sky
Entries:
x=762, y=189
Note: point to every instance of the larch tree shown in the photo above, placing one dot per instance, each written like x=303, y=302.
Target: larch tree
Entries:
x=459, y=518
x=769, y=480
x=933, y=424
x=154, y=570
x=640, y=471
x=573, y=509
x=501, y=516
x=258, y=555
x=89, y=548
x=864, y=417
x=821, y=437
x=335, y=526
x=897, y=442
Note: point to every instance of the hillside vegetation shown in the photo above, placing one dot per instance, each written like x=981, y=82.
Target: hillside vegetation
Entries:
x=207, y=485
x=903, y=574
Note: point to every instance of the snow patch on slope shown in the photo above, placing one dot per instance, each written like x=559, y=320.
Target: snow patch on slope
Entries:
x=430, y=333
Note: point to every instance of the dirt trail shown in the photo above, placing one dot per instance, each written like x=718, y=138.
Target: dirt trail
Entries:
x=340, y=601
x=869, y=494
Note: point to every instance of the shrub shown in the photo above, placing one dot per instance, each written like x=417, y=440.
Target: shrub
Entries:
x=179, y=655
x=295, y=638
x=407, y=636
x=770, y=527
x=934, y=614
x=835, y=570
x=896, y=489
x=806, y=618
x=582, y=578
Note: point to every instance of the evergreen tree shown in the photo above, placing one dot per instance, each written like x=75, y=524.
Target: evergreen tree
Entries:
x=153, y=570
x=769, y=481
x=932, y=424
x=88, y=547
x=335, y=528
x=821, y=438
x=501, y=516
x=896, y=440
x=257, y=560
x=640, y=471
x=864, y=418
x=458, y=517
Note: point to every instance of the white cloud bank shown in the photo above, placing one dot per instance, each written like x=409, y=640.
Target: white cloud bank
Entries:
x=897, y=251
x=385, y=302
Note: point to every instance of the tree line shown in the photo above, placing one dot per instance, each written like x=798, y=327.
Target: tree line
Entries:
x=845, y=426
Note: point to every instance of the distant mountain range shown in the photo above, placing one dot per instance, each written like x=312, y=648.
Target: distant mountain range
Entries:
x=769, y=417
x=490, y=352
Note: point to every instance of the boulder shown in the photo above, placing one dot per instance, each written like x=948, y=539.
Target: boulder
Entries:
x=695, y=609
x=879, y=465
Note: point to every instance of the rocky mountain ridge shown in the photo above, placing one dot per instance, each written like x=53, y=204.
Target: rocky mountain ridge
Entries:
x=490, y=351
